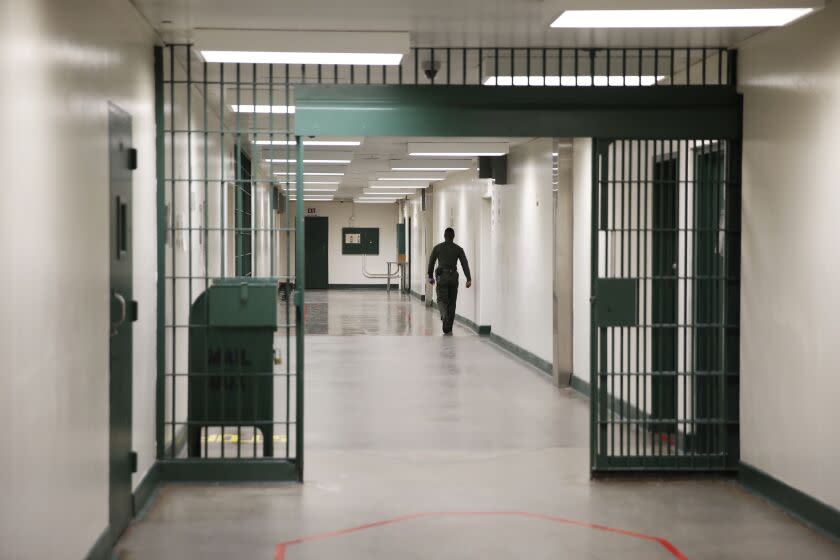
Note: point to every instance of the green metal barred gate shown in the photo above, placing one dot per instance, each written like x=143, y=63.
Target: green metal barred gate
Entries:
x=665, y=284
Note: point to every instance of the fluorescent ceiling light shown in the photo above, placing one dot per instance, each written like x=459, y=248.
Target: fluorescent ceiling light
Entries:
x=306, y=173
x=276, y=109
x=726, y=17
x=357, y=201
x=302, y=47
x=430, y=165
x=322, y=182
x=392, y=194
x=308, y=143
x=324, y=161
x=457, y=149
x=410, y=178
x=572, y=80
x=379, y=186
x=328, y=58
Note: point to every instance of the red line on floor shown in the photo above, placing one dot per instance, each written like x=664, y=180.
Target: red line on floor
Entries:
x=280, y=553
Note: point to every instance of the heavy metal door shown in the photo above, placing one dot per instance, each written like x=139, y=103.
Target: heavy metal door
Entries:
x=121, y=162
x=665, y=232
x=317, y=262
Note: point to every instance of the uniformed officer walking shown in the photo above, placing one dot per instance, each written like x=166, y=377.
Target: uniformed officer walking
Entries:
x=447, y=255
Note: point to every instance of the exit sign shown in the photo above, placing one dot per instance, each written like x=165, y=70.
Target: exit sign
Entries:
x=311, y=211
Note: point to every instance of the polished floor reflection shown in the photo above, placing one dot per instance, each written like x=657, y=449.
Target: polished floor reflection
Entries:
x=421, y=446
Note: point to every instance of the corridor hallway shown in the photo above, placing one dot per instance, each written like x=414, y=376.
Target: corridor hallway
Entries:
x=420, y=446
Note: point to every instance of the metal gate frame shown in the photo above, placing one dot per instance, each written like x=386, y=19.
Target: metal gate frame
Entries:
x=372, y=101
x=700, y=433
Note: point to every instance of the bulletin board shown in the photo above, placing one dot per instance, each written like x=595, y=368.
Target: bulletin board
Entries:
x=360, y=241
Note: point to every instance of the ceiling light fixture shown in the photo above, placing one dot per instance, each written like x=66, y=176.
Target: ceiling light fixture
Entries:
x=306, y=174
x=410, y=178
x=334, y=143
x=572, y=80
x=415, y=187
x=302, y=47
x=457, y=149
x=724, y=17
x=264, y=109
x=319, y=161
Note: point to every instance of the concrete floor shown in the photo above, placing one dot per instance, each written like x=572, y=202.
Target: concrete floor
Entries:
x=423, y=446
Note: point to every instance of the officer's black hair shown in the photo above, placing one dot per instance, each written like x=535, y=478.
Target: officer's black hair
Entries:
x=449, y=234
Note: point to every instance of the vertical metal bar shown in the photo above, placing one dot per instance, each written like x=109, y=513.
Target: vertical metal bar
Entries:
x=576, y=65
x=544, y=67
x=300, y=276
x=206, y=234
x=640, y=67
x=621, y=273
x=172, y=229
x=610, y=272
x=560, y=66
x=656, y=66
x=720, y=67
x=222, y=194
x=256, y=236
x=688, y=67
x=189, y=185
x=289, y=264
x=335, y=78
x=512, y=66
x=464, y=68
x=704, y=66
x=481, y=68
x=528, y=67
x=432, y=55
x=645, y=300
x=594, y=370
x=448, y=66
x=672, y=67
x=623, y=67
x=496, y=61
x=638, y=275
x=687, y=320
x=160, y=167
x=416, y=66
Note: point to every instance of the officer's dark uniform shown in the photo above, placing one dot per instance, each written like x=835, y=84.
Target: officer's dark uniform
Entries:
x=446, y=276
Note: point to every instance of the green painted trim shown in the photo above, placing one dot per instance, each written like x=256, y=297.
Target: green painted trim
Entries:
x=466, y=322
x=361, y=287
x=678, y=112
x=581, y=386
x=522, y=354
x=146, y=489
x=228, y=470
x=805, y=508
x=101, y=549
x=481, y=330
x=160, y=382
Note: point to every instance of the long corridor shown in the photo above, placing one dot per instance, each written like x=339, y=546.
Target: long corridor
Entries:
x=423, y=446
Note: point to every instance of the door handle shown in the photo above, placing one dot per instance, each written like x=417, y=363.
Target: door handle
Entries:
x=123, y=313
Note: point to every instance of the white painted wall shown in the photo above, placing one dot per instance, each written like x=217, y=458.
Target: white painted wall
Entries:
x=522, y=230
x=54, y=305
x=514, y=282
x=790, y=324
x=347, y=269
x=582, y=255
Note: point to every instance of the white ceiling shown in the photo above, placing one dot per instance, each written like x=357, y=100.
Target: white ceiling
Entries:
x=453, y=23
x=371, y=159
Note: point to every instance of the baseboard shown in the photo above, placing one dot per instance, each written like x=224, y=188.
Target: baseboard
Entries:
x=101, y=549
x=521, y=353
x=581, y=386
x=798, y=504
x=362, y=286
x=146, y=489
x=482, y=330
x=421, y=297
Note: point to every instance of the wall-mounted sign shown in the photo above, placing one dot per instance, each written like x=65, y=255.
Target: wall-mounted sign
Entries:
x=353, y=238
x=311, y=211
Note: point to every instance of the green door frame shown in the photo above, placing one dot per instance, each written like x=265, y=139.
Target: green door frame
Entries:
x=666, y=112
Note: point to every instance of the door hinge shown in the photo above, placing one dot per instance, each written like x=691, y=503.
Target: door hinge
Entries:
x=132, y=159
x=132, y=458
x=135, y=313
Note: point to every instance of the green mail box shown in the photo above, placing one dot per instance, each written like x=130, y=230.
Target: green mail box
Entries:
x=231, y=359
